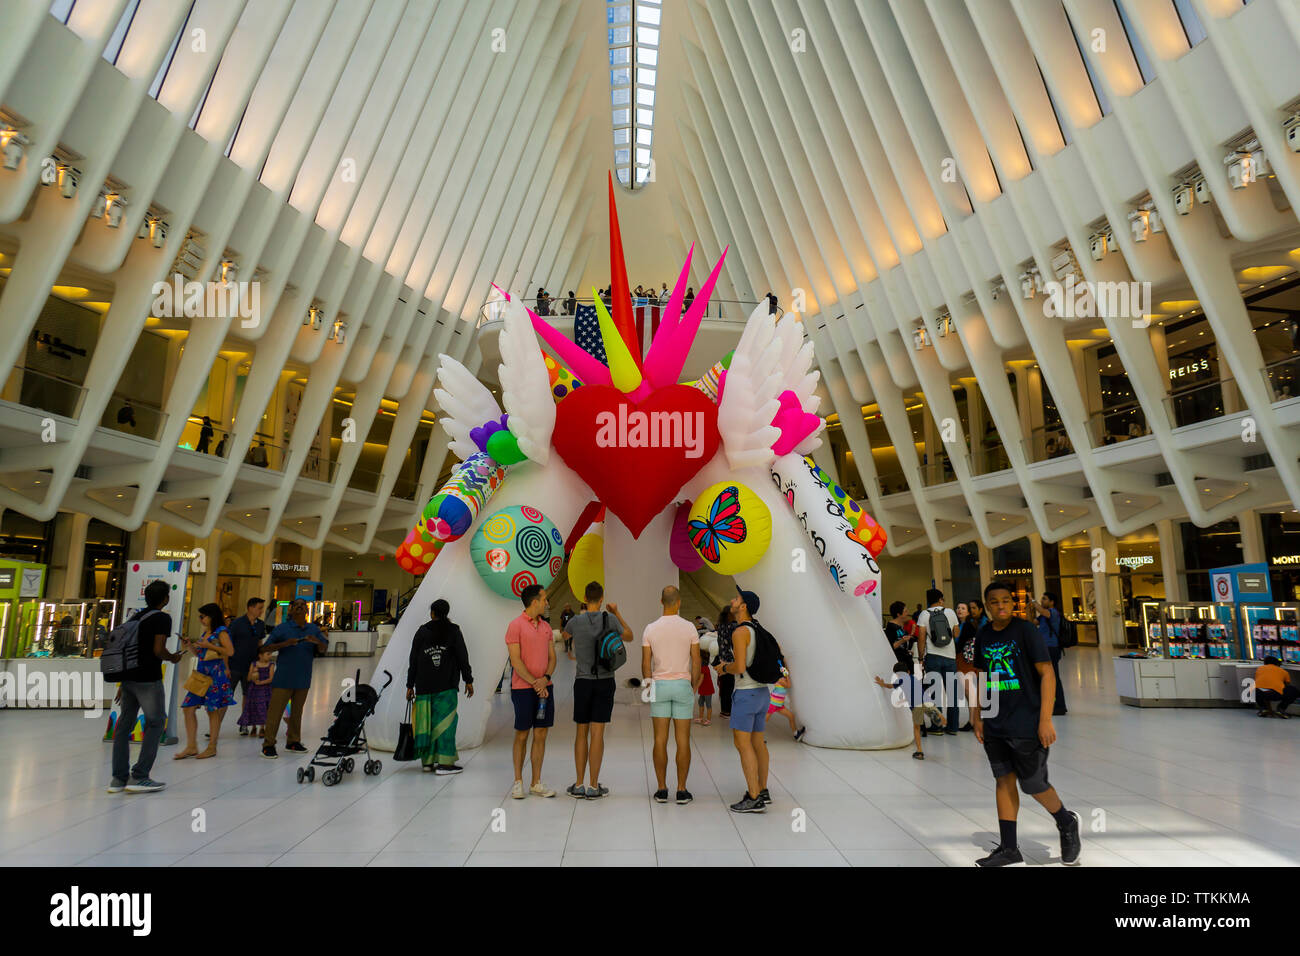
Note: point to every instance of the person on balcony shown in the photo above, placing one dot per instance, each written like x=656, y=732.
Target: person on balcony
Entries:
x=205, y=436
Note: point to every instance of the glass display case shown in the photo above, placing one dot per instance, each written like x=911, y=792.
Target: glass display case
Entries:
x=69, y=628
x=1190, y=631
x=1271, y=630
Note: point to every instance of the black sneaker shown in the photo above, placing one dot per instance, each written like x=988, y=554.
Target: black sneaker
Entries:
x=1002, y=856
x=950, y=732
x=268, y=751
x=799, y=733
x=764, y=797
x=443, y=769
x=295, y=748
x=661, y=796
x=967, y=729
x=684, y=797
x=918, y=756
x=748, y=804
x=577, y=791
x=1071, y=845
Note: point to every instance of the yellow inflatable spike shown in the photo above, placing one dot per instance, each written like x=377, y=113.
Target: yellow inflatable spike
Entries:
x=623, y=371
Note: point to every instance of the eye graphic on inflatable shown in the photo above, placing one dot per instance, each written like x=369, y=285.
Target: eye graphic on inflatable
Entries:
x=722, y=527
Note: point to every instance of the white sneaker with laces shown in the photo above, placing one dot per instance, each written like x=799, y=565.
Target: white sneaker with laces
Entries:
x=517, y=791
x=540, y=789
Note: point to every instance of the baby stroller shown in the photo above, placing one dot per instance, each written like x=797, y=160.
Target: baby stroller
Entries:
x=346, y=736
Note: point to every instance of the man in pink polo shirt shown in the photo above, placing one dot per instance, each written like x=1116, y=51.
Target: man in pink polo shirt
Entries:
x=670, y=658
x=532, y=660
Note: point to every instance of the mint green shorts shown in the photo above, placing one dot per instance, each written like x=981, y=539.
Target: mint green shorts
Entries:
x=673, y=698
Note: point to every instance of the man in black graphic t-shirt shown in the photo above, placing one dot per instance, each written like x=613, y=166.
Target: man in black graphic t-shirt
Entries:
x=1017, y=730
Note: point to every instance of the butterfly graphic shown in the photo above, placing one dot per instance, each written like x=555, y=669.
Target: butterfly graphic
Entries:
x=724, y=526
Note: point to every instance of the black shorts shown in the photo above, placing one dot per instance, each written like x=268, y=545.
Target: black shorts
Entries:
x=1023, y=756
x=525, y=700
x=593, y=700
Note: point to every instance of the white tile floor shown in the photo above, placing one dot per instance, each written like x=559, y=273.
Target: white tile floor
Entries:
x=1154, y=787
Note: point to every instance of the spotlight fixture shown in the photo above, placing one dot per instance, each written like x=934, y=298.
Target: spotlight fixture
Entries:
x=1183, y=198
x=920, y=338
x=315, y=317
x=340, y=331
x=67, y=179
x=1031, y=282
x=228, y=271
x=157, y=232
x=1292, y=129
x=1099, y=244
x=1139, y=220
x=1245, y=165
x=114, y=207
x=13, y=145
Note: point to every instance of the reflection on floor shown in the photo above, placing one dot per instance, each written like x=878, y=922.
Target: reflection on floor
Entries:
x=1154, y=787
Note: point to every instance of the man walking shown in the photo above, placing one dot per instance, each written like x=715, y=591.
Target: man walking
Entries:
x=936, y=629
x=593, y=687
x=670, y=658
x=532, y=662
x=1048, y=617
x=1017, y=731
x=247, y=634
x=141, y=689
x=748, y=705
x=297, y=641
x=438, y=662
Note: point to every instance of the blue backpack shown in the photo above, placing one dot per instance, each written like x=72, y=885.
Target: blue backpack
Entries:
x=611, y=651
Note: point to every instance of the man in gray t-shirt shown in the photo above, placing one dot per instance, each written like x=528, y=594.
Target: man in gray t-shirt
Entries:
x=593, y=687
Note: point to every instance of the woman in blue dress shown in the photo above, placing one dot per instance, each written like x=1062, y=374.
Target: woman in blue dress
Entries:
x=213, y=649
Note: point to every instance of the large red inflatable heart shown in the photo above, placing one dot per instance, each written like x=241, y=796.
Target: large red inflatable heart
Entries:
x=636, y=456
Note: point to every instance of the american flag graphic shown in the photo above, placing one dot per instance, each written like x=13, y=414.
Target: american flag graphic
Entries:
x=586, y=332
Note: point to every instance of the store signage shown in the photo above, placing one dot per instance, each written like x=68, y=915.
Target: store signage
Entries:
x=1252, y=582
x=1137, y=560
x=291, y=568
x=6, y=578
x=169, y=554
x=32, y=580
x=1287, y=559
x=1016, y=572
x=1192, y=368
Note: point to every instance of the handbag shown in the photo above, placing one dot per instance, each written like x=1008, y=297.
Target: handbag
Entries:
x=405, y=749
x=198, y=684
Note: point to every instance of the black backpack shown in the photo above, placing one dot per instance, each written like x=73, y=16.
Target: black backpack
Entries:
x=939, y=631
x=766, y=668
x=1068, y=635
x=122, y=653
x=611, y=651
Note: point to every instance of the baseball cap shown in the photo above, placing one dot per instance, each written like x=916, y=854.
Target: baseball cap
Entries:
x=750, y=599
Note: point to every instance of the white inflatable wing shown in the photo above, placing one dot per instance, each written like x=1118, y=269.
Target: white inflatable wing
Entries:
x=467, y=403
x=525, y=386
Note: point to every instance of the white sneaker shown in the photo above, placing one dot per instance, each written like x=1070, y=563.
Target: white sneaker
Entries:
x=517, y=791
x=540, y=789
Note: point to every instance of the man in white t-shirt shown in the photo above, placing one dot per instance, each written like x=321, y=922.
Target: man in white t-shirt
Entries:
x=936, y=630
x=670, y=657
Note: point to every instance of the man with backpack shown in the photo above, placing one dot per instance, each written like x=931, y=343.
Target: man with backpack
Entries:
x=1053, y=626
x=670, y=663
x=134, y=655
x=597, y=640
x=936, y=629
x=757, y=666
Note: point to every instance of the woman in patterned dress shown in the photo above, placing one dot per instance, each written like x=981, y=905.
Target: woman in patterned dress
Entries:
x=213, y=649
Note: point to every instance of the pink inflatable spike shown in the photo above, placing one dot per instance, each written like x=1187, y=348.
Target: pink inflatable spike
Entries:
x=672, y=356
x=585, y=368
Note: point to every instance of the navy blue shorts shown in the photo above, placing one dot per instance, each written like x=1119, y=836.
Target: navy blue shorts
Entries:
x=525, y=700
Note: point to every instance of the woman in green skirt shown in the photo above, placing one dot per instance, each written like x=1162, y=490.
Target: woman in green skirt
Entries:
x=439, y=661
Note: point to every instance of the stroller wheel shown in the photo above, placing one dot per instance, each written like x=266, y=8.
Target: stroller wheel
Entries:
x=365, y=768
x=376, y=770
x=330, y=778
x=311, y=774
x=302, y=775
x=349, y=764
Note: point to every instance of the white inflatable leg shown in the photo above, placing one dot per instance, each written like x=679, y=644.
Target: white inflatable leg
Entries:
x=481, y=613
x=636, y=572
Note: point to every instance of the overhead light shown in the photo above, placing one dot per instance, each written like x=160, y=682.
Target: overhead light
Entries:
x=1292, y=129
x=1139, y=222
x=1099, y=244
x=920, y=338
x=228, y=271
x=1183, y=198
x=315, y=317
x=1245, y=165
x=1030, y=282
x=340, y=331
x=114, y=207
x=13, y=145
x=67, y=179
x=157, y=232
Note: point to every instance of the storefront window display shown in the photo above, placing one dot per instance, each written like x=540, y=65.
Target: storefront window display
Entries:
x=1217, y=546
x=1282, y=552
x=1012, y=562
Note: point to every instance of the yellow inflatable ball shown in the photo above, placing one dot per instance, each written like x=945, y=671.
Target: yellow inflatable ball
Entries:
x=730, y=527
x=587, y=563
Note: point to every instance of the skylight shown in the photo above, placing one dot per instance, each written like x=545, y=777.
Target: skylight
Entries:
x=633, y=27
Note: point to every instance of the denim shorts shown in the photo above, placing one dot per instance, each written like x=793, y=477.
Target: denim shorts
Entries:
x=749, y=709
x=673, y=698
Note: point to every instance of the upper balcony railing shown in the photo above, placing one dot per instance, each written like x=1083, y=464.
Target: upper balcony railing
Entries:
x=45, y=392
x=726, y=310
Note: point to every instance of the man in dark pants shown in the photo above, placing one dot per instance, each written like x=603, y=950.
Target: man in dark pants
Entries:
x=936, y=629
x=1048, y=618
x=593, y=687
x=1016, y=729
x=297, y=640
x=247, y=634
x=142, y=690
